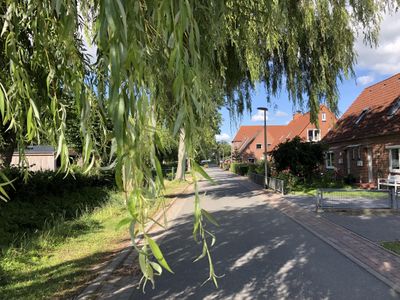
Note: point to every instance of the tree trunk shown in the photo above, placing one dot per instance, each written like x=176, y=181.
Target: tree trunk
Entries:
x=180, y=172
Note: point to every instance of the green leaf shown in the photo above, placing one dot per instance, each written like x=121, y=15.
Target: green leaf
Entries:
x=123, y=222
x=209, y=217
x=145, y=267
x=2, y=101
x=158, y=254
x=156, y=267
x=201, y=171
x=203, y=253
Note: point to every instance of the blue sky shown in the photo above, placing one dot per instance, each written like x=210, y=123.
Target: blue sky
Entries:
x=373, y=65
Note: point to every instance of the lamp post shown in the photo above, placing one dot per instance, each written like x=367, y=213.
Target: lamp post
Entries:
x=264, y=109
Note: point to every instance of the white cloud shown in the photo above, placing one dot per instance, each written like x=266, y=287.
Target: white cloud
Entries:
x=259, y=116
x=281, y=114
x=363, y=80
x=223, y=137
x=385, y=59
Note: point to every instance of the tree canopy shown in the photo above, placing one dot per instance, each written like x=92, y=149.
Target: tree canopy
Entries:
x=169, y=61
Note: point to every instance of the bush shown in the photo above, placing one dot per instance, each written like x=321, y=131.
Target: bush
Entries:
x=239, y=168
x=48, y=197
x=300, y=158
x=291, y=181
x=350, y=179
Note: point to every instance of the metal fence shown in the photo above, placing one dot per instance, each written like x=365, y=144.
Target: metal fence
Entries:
x=169, y=173
x=356, y=199
x=275, y=184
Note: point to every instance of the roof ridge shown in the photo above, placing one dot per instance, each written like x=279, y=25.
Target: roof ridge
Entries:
x=376, y=83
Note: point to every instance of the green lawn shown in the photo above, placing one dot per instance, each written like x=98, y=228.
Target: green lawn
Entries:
x=55, y=263
x=393, y=246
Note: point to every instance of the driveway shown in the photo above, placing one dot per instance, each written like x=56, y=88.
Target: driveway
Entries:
x=260, y=254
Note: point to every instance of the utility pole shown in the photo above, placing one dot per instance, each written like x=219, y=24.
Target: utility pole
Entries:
x=264, y=109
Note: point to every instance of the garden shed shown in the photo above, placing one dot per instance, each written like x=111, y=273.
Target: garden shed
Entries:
x=39, y=158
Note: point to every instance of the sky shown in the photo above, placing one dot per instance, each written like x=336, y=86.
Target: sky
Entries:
x=373, y=65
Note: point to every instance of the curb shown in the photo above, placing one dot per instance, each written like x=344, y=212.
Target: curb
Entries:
x=90, y=291
x=394, y=285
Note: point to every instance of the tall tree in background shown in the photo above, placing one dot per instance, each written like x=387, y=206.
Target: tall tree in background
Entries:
x=180, y=54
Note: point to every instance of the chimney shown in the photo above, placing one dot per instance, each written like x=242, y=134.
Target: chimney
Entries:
x=297, y=115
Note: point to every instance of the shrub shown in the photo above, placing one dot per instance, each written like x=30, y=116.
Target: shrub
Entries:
x=291, y=181
x=239, y=168
x=300, y=158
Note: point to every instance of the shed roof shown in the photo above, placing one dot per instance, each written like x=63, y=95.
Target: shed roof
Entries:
x=39, y=149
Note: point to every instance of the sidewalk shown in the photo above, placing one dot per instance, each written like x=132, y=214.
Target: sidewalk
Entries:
x=372, y=257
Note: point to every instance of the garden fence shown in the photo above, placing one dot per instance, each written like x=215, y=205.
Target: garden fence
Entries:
x=169, y=173
x=356, y=199
x=275, y=184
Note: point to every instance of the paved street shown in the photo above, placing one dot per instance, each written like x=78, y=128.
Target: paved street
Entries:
x=260, y=252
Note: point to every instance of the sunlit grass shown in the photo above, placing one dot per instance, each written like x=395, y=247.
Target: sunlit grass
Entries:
x=56, y=262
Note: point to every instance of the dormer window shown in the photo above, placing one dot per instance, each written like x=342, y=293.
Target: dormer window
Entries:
x=362, y=115
x=394, y=108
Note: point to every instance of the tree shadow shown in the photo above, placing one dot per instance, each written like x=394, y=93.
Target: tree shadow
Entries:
x=260, y=254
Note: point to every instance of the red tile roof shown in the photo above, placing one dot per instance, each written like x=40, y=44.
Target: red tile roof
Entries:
x=276, y=134
x=377, y=100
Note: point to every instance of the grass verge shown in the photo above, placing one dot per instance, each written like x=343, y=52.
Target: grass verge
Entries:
x=56, y=262
x=392, y=246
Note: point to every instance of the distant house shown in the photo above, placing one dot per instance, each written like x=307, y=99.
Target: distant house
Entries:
x=38, y=157
x=248, y=142
x=366, y=141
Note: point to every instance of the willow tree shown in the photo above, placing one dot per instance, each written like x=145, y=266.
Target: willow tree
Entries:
x=178, y=54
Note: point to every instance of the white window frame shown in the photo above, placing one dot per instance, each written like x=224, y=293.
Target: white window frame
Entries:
x=257, y=146
x=390, y=159
x=314, y=139
x=323, y=117
x=329, y=159
x=251, y=160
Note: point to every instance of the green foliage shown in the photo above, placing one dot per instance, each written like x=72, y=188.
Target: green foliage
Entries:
x=58, y=260
x=170, y=62
x=47, y=198
x=300, y=158
x=239, y=168
x=259, y=167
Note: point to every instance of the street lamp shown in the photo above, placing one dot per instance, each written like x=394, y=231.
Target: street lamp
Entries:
x=264, y=109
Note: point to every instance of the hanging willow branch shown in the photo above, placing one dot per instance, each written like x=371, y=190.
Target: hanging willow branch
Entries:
x=169, y=61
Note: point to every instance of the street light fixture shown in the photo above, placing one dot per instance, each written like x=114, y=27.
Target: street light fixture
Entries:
x=264, y=109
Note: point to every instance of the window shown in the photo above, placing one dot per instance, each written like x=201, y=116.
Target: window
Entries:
x=251, y=160
x=323, y=117
x=313, y=135
x=394, y=160
x=329, y=160
x=258, y=146
x=362, y=115
x=356, y=152
x=394, y=108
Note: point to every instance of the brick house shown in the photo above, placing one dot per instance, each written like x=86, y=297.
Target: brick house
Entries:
x=248, y=142
x=366, y=140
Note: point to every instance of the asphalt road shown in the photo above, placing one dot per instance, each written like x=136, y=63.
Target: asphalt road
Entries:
x=261, y=254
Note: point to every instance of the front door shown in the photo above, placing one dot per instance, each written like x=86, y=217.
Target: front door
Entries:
x=369, y=158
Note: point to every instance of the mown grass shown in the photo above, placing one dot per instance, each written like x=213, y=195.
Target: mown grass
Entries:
x=56, y=262
x=392, y=246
